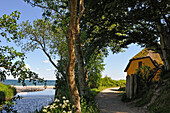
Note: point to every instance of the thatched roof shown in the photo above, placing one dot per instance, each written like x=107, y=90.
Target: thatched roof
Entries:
x=146, y=53
x=154, y=56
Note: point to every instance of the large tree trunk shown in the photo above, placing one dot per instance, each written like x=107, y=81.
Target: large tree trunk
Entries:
x=81, y=73
x=165, y=46
x=79, y=53
x=71, y=56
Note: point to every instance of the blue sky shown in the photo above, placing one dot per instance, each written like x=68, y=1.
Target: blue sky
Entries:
x=38, y=62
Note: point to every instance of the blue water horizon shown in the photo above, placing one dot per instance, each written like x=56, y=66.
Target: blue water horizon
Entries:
x=14, y=82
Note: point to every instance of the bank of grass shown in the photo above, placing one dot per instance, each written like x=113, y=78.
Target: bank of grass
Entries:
x=95, y=91
x=6, y=92
x=162, y=102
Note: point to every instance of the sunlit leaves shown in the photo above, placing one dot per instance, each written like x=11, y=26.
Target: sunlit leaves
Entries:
x=9, y=25
x=43, y=34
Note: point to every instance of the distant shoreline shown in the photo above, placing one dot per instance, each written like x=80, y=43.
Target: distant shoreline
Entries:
x=32, y=88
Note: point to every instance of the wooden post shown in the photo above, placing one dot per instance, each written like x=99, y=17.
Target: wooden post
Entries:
x=135, y=85
x=127, y=86
x=131, y=87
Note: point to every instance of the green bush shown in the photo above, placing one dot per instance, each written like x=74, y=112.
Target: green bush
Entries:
x=2, y=96
x=6, y=92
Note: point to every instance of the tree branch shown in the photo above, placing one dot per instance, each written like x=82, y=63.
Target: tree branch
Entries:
x=44, y=7
x=81, y=14
x=50, y=59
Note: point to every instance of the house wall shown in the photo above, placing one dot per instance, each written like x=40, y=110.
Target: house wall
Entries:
x=134, y=65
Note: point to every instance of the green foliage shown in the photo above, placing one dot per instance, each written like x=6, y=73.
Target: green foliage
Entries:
x=89, y=107
x=94, y=69
x=8, y=24
x=11, y=61
x=42, y=35
x=108, y=82
x=56, y=11
x=61, y=81
x=134, y=21
x=6, y=92
x=145, y=76
x=9, y=105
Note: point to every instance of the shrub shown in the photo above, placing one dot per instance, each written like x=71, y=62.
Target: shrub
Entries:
x=2, y=96
x=6, y=91
x=64, y=106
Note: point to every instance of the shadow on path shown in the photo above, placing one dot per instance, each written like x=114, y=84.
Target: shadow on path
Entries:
x=109, y=101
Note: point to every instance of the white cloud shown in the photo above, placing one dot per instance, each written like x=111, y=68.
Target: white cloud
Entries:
x=27, y=66
x=45, y=61
x=37, y=68
x=48, y=69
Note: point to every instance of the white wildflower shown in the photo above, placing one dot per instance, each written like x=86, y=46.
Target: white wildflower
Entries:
x=63, y=106
x=67, y=101
x=46, y=107
x=63, y=97
x=52, y=107
x=73, y=106
x=44, y=110
x=57, y=100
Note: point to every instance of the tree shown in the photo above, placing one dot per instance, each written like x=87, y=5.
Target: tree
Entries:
x=11, y=61
x=72, y=28
x=94, y=69
x=143, y=22
x=152, y=17
x=43, y=35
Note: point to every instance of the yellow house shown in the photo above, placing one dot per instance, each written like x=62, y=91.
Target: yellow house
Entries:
x=147, y=57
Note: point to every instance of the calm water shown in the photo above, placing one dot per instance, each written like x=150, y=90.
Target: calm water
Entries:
x=15, y=82
x=32, y=101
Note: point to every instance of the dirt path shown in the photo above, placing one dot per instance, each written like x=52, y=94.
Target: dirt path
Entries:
x=109, y=101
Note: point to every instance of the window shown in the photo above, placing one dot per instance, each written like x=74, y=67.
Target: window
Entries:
x=139, y=64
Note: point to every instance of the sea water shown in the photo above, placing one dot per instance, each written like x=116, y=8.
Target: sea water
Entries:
x=32, y=101
x=15, y=82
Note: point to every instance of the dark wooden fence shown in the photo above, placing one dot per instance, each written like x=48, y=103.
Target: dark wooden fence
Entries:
x=131, y=86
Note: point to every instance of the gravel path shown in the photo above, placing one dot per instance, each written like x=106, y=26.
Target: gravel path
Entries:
x=109, y=101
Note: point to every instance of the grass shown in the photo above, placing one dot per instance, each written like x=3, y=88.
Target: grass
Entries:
x=6, y=92
x=95, y=91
